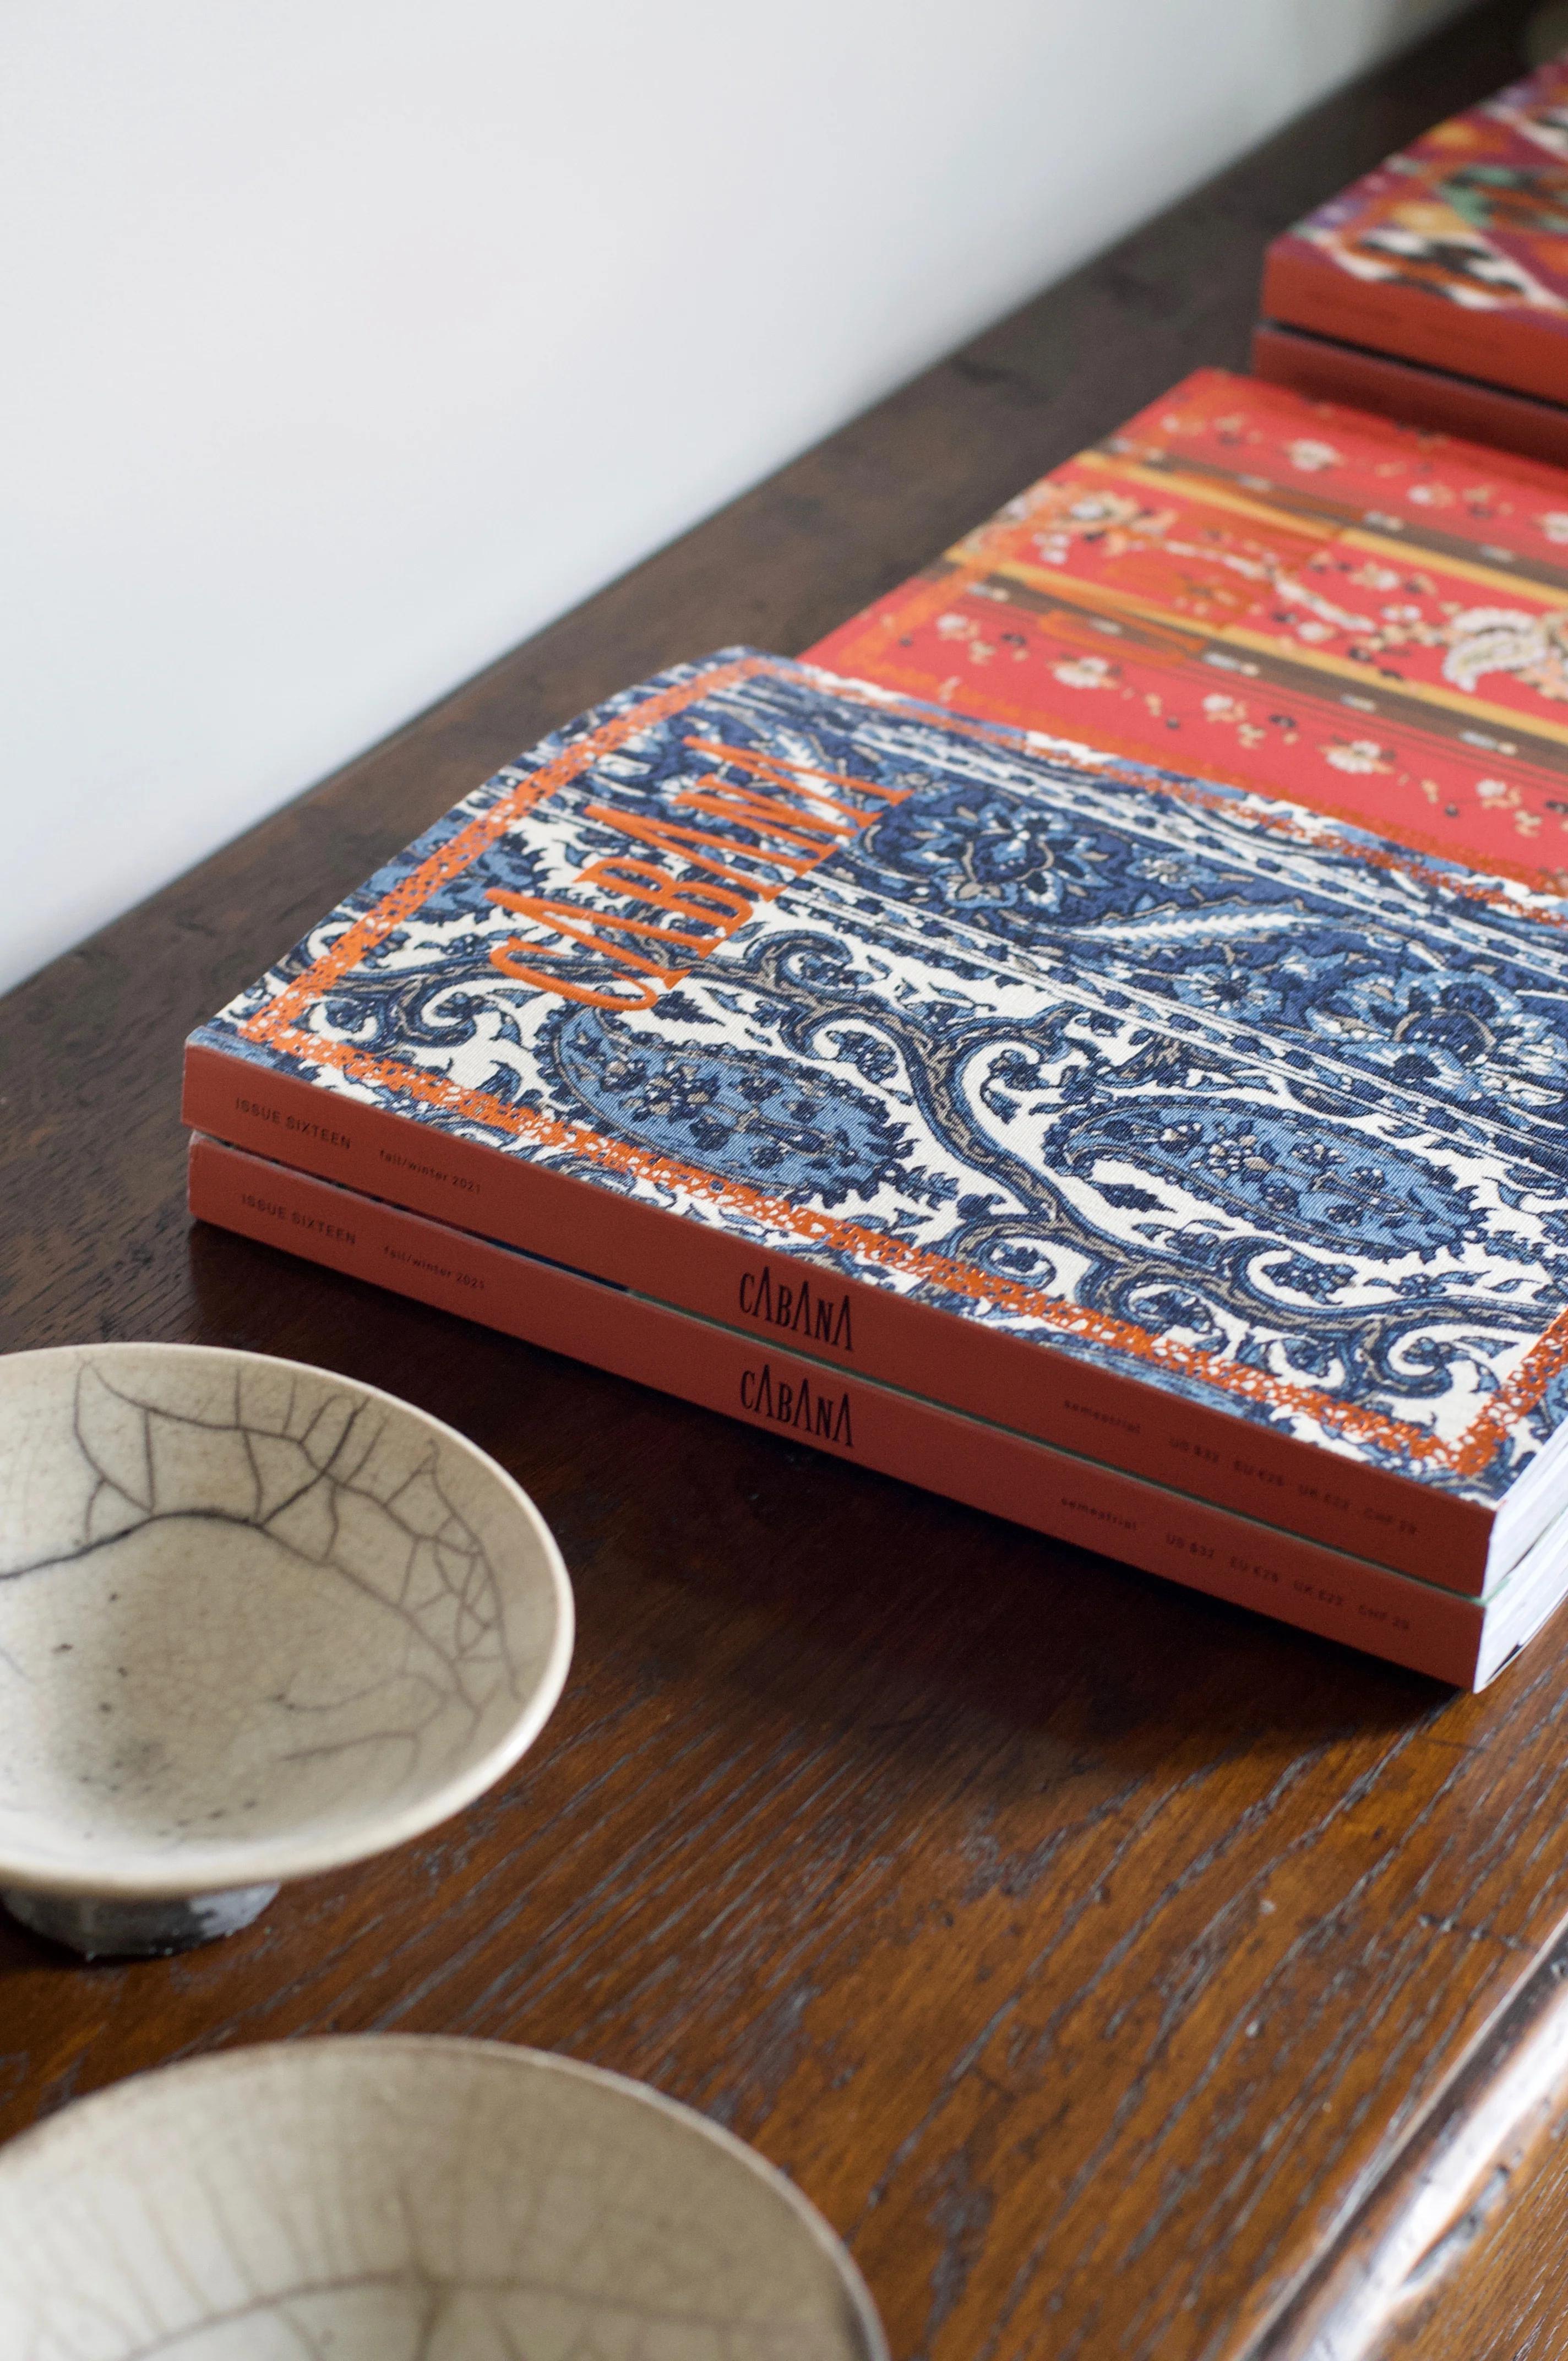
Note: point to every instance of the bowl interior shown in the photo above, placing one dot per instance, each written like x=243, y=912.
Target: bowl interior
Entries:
x=254, y=1619
x=408, y=2200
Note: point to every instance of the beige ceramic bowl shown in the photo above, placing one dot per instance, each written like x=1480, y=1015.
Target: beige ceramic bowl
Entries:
x=256, y=1621
x=399, y=2199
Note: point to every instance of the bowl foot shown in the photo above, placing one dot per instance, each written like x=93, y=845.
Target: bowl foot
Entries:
x=102, y=1927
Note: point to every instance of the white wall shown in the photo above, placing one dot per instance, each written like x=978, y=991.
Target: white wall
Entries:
x=348, y=341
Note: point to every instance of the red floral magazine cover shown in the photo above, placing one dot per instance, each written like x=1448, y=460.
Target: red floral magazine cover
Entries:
x=1454, y=252
x=1296, y=598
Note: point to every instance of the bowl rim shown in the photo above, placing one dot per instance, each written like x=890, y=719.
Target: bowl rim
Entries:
x=199, y=1869
x=80, y=2119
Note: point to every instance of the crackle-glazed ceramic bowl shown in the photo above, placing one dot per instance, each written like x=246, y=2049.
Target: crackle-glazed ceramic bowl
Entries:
x=393, y=2198
x=256, y=1621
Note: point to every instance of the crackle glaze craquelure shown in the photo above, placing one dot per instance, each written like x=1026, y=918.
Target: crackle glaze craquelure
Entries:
x=256, y=1620
x=1211, y=1089
x=399, y=2199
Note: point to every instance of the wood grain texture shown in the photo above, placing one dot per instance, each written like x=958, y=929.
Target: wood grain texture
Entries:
x=1456, y=2252
x=1494, y=2286
x=1094, y=1955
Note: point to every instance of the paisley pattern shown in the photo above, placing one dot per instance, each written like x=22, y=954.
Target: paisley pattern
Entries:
x=1249, y=1102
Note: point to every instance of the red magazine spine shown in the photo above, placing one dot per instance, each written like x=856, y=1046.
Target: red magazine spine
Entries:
x=1324, y=370
x=1075, y=1500
x=1303, y=289
x=1146, y=1431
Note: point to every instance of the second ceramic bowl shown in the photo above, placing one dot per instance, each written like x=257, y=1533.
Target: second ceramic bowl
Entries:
x=388, y=2198
x=410, y=2199
x=256, y=1622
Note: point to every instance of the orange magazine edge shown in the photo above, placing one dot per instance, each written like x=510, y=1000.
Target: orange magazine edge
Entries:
x=1415, y=393
x=1303, y=290
x=854, y=1418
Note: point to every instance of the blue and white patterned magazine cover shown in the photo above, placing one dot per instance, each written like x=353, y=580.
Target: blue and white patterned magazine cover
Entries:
x=1218, y=1092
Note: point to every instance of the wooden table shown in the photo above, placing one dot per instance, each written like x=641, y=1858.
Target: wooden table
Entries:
x=1123, y=1976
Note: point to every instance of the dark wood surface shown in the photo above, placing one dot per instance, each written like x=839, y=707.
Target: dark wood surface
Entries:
x=1113, y=1967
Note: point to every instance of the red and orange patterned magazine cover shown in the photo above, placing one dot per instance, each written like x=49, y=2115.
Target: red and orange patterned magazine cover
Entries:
x=1454, y=253
x=1295, y=598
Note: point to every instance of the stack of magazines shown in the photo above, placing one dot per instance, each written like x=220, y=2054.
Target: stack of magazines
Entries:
x=1437, y=286
x=1090, y=1039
